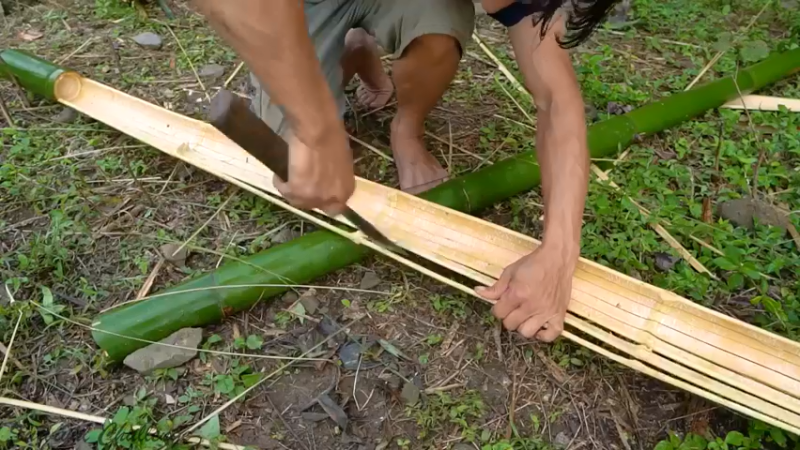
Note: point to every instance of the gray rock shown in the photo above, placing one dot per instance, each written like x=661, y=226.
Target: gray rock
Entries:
x=283, y=236
x=562, y=439
x=211, y=71
x=66, y=115
x=174, y=254
x=154, y=356
x=410, y=393
x=743, y=212
x=148, y=40
x=665, y=261
x=370, y=281
x=83, y=446
x=309, y=301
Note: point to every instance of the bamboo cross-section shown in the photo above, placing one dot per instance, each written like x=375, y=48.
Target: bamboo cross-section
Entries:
x=652, y=330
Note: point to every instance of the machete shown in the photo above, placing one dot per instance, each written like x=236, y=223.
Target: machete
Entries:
x=231, y=115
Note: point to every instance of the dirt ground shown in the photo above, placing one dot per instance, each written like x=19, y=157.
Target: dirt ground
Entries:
x=120, y=201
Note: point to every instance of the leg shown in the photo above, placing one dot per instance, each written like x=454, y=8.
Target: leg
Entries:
x=421, y=75
x=427, y=37
x=362, y=57
x=328, y=22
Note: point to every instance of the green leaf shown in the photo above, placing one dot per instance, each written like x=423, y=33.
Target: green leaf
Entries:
x=224, y=384
x=93, y=436
x=300, y=310
x=121, y=416
x=210, y=430
x=5, y=434
x=254, y=342
x=346, y=303
x=778, y=436
x=213, y=339
x=725, y=264
x=664, y=445
x=734, y=438
x=724, y=41
x=735, y=281
x=250, y=380
x=392, y=349
x=753, y=51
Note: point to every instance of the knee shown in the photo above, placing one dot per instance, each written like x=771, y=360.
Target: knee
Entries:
x=437, y=47
x=357, y=39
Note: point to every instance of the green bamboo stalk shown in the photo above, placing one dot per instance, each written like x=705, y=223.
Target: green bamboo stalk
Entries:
x=316, y=254
x=31, y=72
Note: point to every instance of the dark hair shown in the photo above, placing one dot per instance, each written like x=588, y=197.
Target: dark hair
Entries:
x=583, y=18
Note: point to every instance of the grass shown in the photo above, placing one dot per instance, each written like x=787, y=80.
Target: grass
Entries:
x=84, y=210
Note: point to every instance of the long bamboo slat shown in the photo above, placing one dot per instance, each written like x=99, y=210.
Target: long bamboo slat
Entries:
x=671, y=338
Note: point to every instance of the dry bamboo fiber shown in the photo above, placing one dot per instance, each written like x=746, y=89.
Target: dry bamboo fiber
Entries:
x=675, y=340
x=763, y=103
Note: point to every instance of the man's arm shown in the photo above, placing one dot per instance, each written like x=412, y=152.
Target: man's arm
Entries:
x=532, y=294
x=271, y=37
x=561, y=145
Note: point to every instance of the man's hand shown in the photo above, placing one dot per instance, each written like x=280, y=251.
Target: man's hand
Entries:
x=533, y=293
x=319, y=177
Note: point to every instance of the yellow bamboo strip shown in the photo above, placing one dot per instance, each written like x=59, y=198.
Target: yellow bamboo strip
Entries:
x=763, y=103
x=721, y=358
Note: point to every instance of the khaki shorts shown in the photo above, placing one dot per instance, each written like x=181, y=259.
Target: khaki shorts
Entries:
x=394, y=23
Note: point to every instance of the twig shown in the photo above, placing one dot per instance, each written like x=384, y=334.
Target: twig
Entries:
x=722, y=52
x=372, y=148
x=500, y=65
x=280, y=369
x=461, y=149
x=74, y=52
x=285, y=424
x=148, y=283
x=101, y=421
x=203, y=226
x=10, y=344
x=189, y=60
x=233, y=75
x=5, y=112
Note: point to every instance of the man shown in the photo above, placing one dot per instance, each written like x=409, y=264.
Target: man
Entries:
x=305, y=53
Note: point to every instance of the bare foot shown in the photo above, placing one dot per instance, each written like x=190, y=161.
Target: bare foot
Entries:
x=417, y=169
x=363, y=56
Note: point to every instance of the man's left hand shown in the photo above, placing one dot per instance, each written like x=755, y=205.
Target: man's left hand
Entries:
x=532, y=294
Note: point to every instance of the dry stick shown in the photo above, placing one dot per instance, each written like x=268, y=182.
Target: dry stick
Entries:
x=461, y=149
x=371, y=148
x=101, y=421
x=163, y=344
x=148, y=283
x=203, y=226
x=722, y=52
x=604, y=176
x=189, y=60
x=5, y=112
x=233, y=75
x=658, y=228
x=499, y=64
x=74, y=52
x=10, y=344
x=522, y=110
x=217, y=411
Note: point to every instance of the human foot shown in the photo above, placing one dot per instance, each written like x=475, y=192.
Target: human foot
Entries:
x=363, y=57
x=417, y=169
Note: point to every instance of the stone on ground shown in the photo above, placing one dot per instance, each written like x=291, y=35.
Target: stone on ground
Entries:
x=154, y=356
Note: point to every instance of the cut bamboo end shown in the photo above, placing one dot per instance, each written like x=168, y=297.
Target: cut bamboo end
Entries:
x=662, y=328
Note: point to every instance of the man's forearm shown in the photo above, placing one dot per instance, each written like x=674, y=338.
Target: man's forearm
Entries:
x=272, y=39
x=564, y=164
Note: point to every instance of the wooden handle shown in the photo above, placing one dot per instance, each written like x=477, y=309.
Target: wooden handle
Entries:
x=231, y=115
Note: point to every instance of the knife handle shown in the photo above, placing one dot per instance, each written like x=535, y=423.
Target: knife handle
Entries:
x=231, y=115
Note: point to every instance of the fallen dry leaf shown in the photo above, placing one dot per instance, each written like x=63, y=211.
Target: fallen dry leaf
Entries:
x=708, y=216
x=30, y=35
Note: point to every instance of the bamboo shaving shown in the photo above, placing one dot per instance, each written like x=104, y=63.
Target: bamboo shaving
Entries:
x=664, y=333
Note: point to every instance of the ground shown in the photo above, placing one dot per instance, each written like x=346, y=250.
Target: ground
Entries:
x=84, y=211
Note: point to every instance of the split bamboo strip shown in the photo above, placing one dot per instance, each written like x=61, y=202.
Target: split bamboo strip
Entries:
x=661, y=324
x=655, y=320
x=763, y=103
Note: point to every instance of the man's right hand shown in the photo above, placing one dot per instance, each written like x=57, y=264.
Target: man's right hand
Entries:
x=320, y=175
